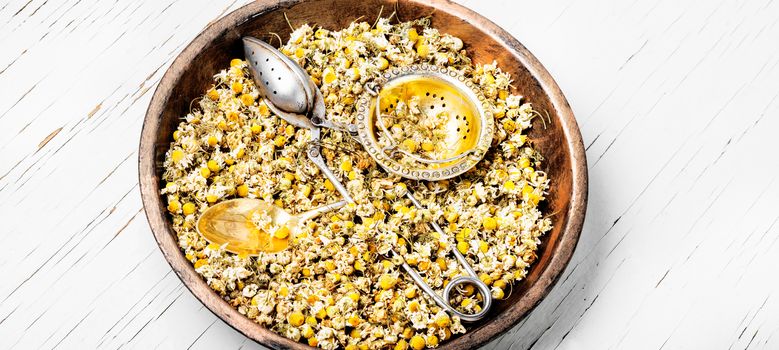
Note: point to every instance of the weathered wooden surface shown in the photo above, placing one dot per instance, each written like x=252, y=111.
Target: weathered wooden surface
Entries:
x=677, y=102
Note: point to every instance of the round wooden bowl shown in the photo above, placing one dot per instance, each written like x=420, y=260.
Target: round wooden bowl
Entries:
x=190, y=76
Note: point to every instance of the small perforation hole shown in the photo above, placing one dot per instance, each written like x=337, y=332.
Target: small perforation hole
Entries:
x=267, y=59
x=443, y=105
x=272, y=69
x=274, y=92
x=442, y=98
x=427, y=94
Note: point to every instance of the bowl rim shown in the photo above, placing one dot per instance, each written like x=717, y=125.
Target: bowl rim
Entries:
x=164, y=235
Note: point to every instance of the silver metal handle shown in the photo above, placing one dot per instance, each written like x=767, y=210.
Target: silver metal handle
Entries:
x=314, y=153
x=303, y=217
x=347, y=128
x=472, y=278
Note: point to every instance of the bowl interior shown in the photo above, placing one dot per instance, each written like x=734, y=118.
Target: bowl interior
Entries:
x=558, y=141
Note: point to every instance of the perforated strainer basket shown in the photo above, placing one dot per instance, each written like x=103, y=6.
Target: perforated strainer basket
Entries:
x=469, y=126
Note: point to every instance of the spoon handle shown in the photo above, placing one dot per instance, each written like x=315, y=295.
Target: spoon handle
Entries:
x=315, y=154
x=303, y=217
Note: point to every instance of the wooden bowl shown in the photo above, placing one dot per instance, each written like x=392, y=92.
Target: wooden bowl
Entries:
x=190, y=76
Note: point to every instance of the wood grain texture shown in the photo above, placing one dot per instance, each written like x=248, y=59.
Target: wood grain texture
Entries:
x=677, y=103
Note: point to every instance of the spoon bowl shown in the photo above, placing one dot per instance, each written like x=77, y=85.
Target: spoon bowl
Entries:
x=232, y=224
x=279, y=79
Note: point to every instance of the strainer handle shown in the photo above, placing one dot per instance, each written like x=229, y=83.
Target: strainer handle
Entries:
x=324, y=123
x=315, y=154
x=443, y=302
x=472, y=278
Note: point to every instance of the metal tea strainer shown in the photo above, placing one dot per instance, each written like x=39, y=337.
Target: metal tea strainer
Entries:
x=435, y=90
x=291, y=94
x=469, y=130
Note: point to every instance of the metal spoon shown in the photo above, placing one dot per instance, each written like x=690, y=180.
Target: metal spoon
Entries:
x=230, y=222
x=291, y=94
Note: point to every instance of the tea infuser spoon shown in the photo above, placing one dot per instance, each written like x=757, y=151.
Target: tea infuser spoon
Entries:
x=230, y=223
x=290, y=94
x=469, y=136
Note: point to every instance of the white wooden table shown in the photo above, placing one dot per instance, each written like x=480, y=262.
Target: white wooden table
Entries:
x=677, y=102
